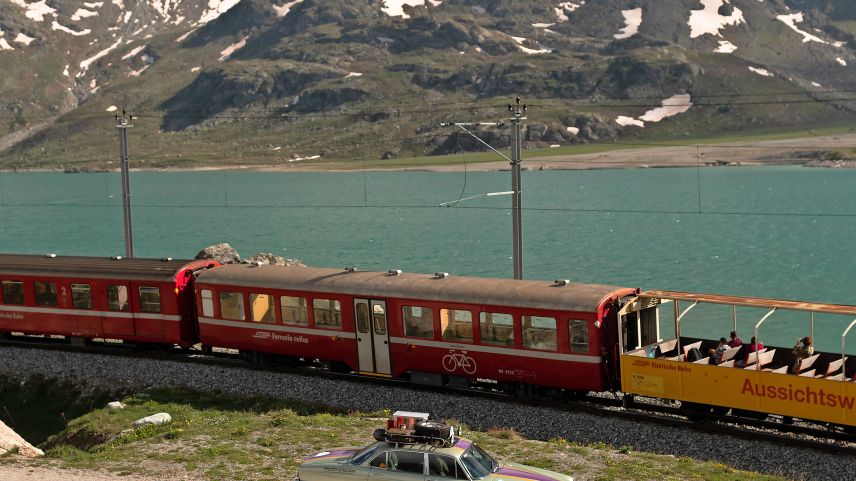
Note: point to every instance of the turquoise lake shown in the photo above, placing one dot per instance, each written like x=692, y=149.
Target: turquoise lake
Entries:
x=784, y=232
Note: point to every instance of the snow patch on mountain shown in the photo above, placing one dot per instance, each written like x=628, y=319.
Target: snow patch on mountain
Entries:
x=565, y=8
x=632, y=21
x=395, y=8
x=136, y=73
x=62, y=28
x=134, y=52
x=353, y=74
x=23, y=39
x=82, y=13
x=84, y=65
x=725, y=47
x=112, y=108
x=93, y=4
x=841, y=61
x=674, y=105
x=215, y=9
x=624, y=121
x=815, y=84
x=792, y=20
x=708, y=20
x=65, y=72
x=228, y=51
x=36, y=11
x=283, y=10
x=184, y=37
x=530, y=51
x=761, y=71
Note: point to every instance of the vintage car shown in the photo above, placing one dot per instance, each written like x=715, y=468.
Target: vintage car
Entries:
x=413, y=448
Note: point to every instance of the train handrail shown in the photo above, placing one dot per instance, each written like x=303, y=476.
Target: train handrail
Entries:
x=678, y=321
x=844, y=353
x=758, y=328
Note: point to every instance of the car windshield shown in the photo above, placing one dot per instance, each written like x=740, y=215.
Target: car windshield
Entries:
x=363, y=454
x=478, y=462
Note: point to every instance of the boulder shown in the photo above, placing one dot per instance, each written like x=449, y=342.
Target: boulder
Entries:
x=274, y=260
x=153, y=420
x=115, y=406
x=222, y=253
x=10, y=441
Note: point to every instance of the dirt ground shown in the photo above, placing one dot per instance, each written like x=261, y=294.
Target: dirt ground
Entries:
x=24, y=472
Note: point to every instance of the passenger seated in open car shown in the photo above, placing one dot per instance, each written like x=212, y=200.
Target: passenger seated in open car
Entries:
x=716, y=354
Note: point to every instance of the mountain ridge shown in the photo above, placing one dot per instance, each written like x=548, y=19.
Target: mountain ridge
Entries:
x=243, y=82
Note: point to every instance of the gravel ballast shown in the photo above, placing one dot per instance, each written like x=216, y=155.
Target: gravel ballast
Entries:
x=116, y=372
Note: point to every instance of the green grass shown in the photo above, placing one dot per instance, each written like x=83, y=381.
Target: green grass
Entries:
x=218, y=437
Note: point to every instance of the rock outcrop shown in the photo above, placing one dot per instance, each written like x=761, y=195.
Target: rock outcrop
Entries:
x=274, y=260
x=10, y=441
x=153, y=420
x=222, y=253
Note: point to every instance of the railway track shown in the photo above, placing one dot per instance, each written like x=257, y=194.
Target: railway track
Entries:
x=771, y=430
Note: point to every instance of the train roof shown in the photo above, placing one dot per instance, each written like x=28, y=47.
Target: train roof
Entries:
x=470, y=290
x=160, y=270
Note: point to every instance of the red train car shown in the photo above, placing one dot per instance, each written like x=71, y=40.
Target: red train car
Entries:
x=436, y=329
x=135, y=300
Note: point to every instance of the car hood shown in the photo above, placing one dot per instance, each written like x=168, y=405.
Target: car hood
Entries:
x=516, y=472
x=330, y=455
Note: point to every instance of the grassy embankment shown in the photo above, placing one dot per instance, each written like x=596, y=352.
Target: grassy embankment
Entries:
x=215, y=437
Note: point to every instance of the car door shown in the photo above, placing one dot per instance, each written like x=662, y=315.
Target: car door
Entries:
x=403, y=465
x=444, y=468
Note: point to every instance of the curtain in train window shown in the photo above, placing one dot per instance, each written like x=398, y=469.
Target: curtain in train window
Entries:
x=81, y=296
x=150, y=299
x=496, y=328
x=456, y=325
x=45, y=293
x=539, y=333
x=328, y=313
x=418, y=321
x=579, y=336
x=232, y=305
x=207, y=303
x=117, y=298
x=261, y=306
x=13, y=292
x=294, y=311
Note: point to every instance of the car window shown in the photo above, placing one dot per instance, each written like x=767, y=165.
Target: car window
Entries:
x=360, y=456
x=406, y=461
x=379, y=461
x=444, y=466
x=477, y=462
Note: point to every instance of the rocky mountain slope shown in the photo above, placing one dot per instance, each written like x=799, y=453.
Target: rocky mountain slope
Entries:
x=259, y=82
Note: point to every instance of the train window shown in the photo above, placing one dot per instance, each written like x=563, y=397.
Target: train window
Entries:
x=496, y=328
x=579, y=336
x=328, y=313
x=294, y=311
x=379, y=318
x=150, y=299
x=261, y=306
x=117, y=298
x=81, y=296
x=207, y=303
x=45, y=293
x=418, y=321
x=539, y=333
x=13, y=292
x=363, y=318
x=456, y=325
x=232, y=305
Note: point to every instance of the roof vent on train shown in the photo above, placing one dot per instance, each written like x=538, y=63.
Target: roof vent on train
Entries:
x=117, y=258
x=394, y=272
x=351, y=269
x=166, y=259
x=50, y=255
x=441, y=275
x=561, y=282
x=254, y=263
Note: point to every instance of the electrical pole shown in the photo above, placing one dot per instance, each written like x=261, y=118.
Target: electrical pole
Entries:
x=123, y=123
x=518, y=114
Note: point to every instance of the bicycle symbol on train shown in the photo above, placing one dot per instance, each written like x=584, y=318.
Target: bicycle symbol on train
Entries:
x=455, y=360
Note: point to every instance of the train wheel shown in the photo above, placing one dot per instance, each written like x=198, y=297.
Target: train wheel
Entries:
x=207, y=350
x=627, y=401
x=695, y=412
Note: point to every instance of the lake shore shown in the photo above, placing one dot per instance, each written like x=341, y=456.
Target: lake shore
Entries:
x=809, y=152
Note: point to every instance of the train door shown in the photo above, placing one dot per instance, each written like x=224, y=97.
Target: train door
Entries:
x=372, y=336
x=117, y=320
